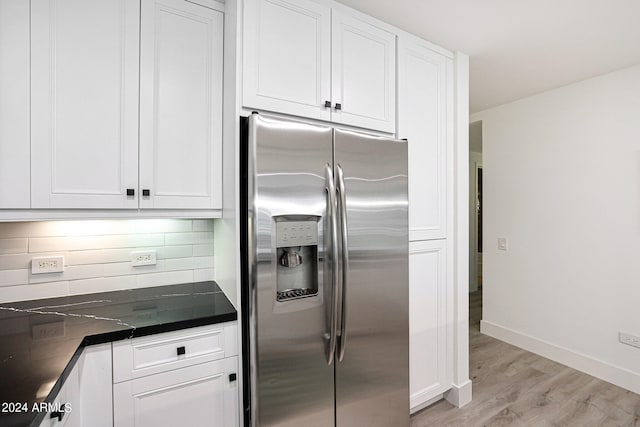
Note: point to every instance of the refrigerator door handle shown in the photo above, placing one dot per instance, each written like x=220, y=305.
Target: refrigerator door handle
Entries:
x=342, y=342
x=333, y=230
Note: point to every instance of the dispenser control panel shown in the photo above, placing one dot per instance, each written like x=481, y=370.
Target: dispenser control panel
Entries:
x=296, y=233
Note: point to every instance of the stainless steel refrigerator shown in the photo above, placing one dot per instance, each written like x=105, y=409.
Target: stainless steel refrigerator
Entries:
x=325, y=276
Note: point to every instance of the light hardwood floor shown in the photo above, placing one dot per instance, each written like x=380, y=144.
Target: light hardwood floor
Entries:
x=513, y=387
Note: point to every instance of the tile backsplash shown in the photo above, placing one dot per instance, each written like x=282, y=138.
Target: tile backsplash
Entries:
x=98, y=255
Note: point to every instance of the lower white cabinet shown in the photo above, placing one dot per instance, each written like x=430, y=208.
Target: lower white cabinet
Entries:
x=186, y=377
x=180, y=378
x=199, y=395
x=430, y=323
x=85, y=396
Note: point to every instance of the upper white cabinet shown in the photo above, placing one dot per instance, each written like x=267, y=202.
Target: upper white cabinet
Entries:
x=84, y=103
x=14, y=104
x=180, y=105
x=126, y=104
x=425, y=119
x=307, y=59
x=363, y=74
x=287, y=57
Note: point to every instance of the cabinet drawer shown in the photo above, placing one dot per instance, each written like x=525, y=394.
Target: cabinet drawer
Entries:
x=153, y=354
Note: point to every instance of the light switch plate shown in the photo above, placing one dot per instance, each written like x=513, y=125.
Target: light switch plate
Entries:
x=502, y=243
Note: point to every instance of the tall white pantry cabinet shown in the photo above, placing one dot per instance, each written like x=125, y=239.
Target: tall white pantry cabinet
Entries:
x=374, y=74
x=425, y=119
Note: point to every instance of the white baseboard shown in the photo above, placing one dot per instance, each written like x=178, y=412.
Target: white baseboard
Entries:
x=621, y=377
x=459, y=395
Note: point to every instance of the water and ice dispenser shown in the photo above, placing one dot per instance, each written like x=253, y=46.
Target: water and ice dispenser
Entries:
x=297, y=256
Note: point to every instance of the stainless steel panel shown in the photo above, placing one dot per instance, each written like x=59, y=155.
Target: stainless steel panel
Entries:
x=292, y=384
x=372, y=379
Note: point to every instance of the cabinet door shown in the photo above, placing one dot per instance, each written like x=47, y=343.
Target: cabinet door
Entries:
x=14, y=104
x=200, y=395
x=286, y=61
x=84, y=103
x=430, y=322
x=424, y=100
x=363, y=74
x=180, y=105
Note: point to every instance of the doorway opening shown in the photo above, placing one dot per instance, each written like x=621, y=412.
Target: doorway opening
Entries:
x=475, y=225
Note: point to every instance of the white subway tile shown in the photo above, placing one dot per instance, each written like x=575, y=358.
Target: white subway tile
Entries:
x=161, y=226
x=36, y=291
x=203, y=250
x=24, y=229
x=13, y=246
x=133, y=241
x=195, y=238
x=49, y=244
x=15, y=262
x=72, y=272
x=203, y=275
x=176, y=264
x=76, y=243
x=202, y=225
x=203, y=262
x=99, y=256
x=126, y=268
x=102, y=284
x=165, y=252
x=165, y=278
x=14, y=277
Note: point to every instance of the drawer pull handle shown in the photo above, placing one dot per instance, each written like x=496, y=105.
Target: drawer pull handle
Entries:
x=232, y=377
x=181, y=350
x=57, y=414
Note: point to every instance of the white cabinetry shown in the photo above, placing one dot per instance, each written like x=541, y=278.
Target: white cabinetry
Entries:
x=177, y=378
x=14, y=104
x=111, y=79
x=180, y=105
x=430, y=322
x=425, y=119
x=84, y=103
x=308, y=59
x=86, y=392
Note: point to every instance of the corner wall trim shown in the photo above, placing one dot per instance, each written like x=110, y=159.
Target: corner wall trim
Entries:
x=605, y=371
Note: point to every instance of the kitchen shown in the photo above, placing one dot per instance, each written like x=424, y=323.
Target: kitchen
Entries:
x=124, y=208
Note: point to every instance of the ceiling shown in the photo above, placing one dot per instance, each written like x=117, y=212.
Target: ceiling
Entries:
x=518, y=48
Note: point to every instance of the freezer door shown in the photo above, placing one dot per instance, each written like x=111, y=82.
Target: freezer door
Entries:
x=290, y=277
x=372, y=367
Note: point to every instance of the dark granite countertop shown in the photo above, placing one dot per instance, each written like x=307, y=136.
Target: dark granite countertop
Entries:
x=41, y=340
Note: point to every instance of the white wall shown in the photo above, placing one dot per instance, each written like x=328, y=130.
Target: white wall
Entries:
x=562, y=184
x=97, y=255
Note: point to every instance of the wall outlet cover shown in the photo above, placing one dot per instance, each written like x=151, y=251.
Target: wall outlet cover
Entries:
x=140, y=258
x=629, y=339
x=49, y=264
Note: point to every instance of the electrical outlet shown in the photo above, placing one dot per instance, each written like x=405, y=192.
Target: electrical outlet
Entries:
x=502, y=243
x=629, y=339
x=47, y=330
x=50, y=264
x=143, y=258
